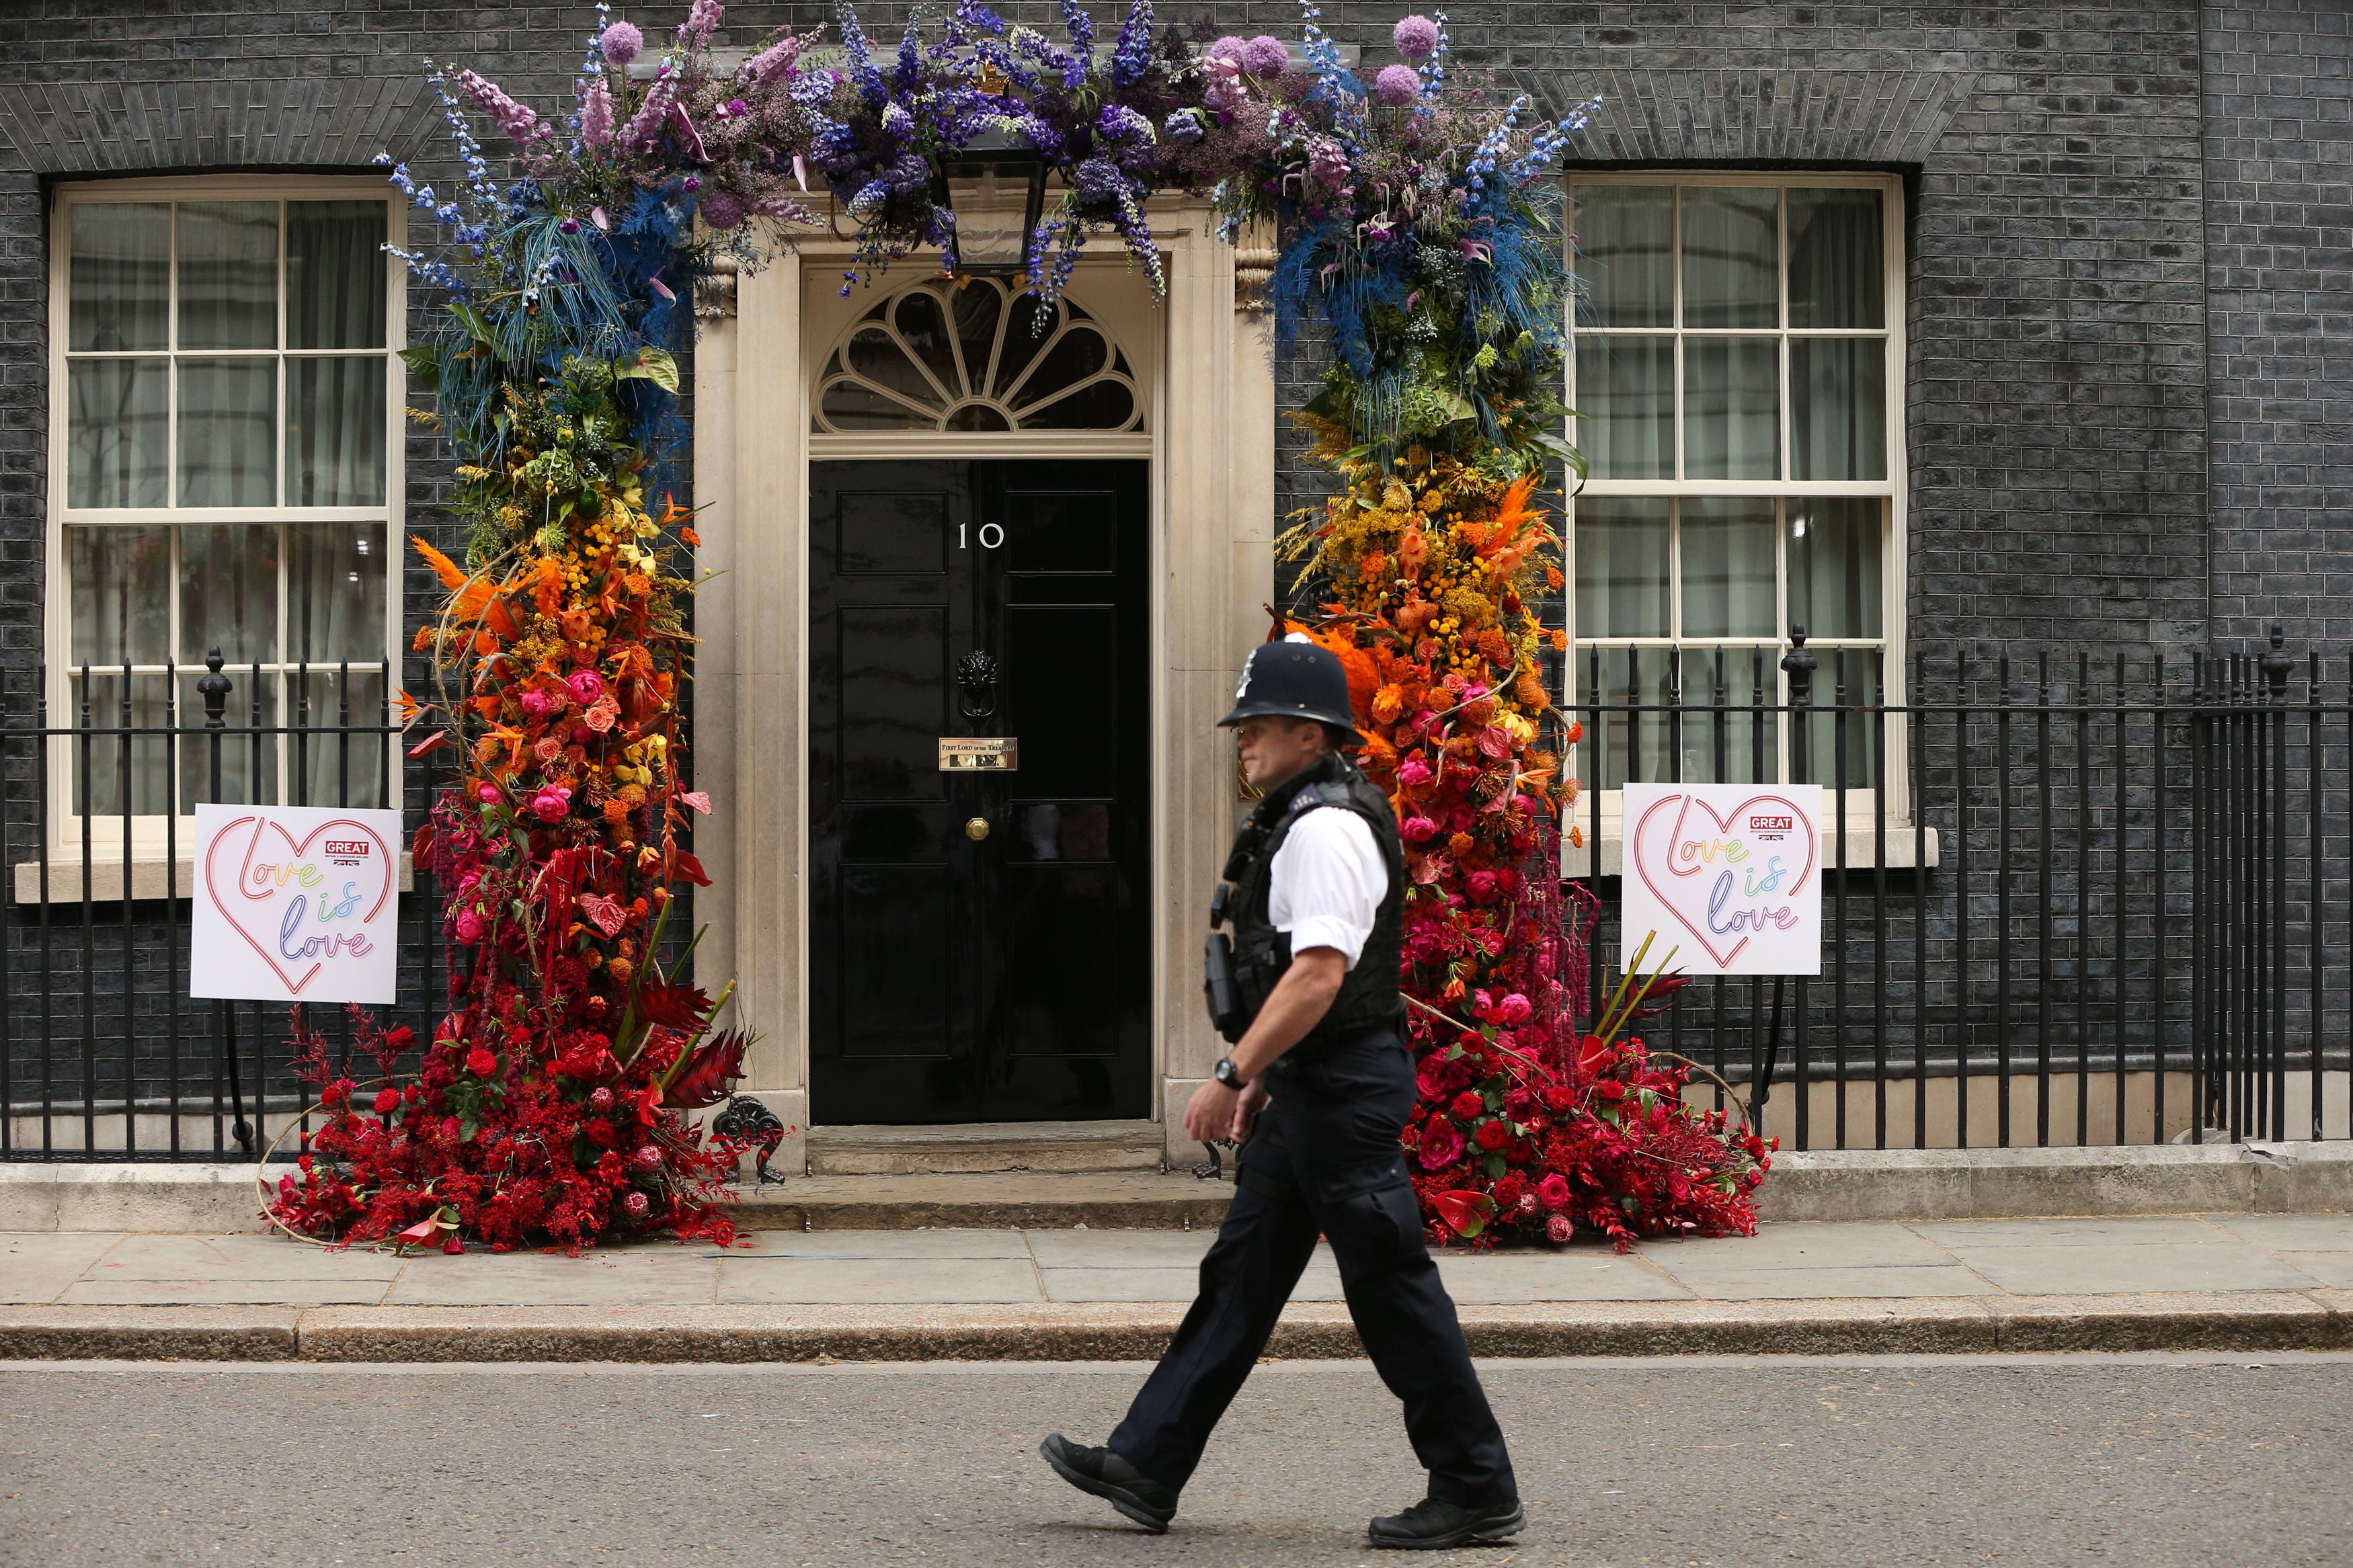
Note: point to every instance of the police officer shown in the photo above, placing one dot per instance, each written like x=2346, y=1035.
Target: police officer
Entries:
x=1316, y=898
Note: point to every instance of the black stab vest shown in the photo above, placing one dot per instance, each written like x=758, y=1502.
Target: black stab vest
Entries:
x=1368, y=996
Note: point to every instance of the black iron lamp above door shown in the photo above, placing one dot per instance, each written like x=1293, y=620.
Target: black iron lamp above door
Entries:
x=995, y=187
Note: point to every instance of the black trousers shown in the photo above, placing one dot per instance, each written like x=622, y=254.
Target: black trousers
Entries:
x=1325, y=1159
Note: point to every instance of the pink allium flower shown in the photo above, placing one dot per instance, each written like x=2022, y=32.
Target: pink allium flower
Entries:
x=1553, y=1192
x=1265, y=55
x=722, y=210
x=1416, y=38
x=1397, y=85
x=551, y=802
x=596, y=114
x=470, y=926
x=585, y=687
x=1558, y=1229
x=621, y=43
x=1442, y=1144
x=1228, y=49
x=636, y=1205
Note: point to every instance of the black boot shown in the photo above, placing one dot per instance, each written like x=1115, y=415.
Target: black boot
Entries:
x=1113, y=1479
x=1430, y=1524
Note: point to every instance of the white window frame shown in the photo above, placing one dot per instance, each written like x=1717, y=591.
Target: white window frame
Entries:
x=149, y=830
x=1891, y=491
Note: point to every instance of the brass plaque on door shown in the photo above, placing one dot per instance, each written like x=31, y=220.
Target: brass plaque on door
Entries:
x=980, y=755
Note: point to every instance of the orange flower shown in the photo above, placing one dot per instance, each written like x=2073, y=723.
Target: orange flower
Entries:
x=1387, y=702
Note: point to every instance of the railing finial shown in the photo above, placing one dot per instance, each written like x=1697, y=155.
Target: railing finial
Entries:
x=2277, y=663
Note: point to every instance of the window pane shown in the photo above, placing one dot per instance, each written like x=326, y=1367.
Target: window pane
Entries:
x=1836, y=274
x=1732, y=408
x=120, y=583
x=100, y=761
x=1740, y=744
x=1621, y=567
x=334, y=431
x=334, y=275
x=121, y=276
x=1833, y=728
x=115, y=429
x=1732, y=246
x=229, y=432
x=334, y=591
x=228, y=592
x=1625, y=253
x=1625, y=389
x=228, y=275
x=1727, y=567
x=244, y=755
x=334, y=769
x=1834, y=565
x=1838, y=425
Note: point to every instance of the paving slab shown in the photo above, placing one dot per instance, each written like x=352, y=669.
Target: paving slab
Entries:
x=228, y=1292
x=2289, y=1232
x=241, y=1257
x=1319, y=1282
x=1863, y=1243
x=884, y=1244
x=1883, y=1283
x=1118, y=1249
x=2062, y=1257
x=744, y=1278
x=1572, y=1276
x=37, y=1266
x=674, y=1276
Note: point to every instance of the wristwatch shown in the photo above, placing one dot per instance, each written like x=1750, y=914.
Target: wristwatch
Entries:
x=1226, y=1073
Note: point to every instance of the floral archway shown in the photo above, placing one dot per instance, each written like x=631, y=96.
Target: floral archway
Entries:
x=1413, y=228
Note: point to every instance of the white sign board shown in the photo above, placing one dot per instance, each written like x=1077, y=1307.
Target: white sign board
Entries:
x=295, y=904
x=1730, y=874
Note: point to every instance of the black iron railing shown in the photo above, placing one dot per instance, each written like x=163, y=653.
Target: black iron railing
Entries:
x=103, y=1053
x=2081, y=899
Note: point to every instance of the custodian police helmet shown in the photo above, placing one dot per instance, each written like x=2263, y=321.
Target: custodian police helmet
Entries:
x=1296, y=678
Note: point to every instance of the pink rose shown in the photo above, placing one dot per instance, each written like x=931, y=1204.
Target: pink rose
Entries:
x=1431, y=1077
x=585, y=687
x=1418, y=829
x=1514, y=1009
x=1553, y=1192
x=603, y=712
x=489, y=794
x=470, y=926
x=1414, y=773
x=551, y=802
x=1442, y=1144
x=536, y=704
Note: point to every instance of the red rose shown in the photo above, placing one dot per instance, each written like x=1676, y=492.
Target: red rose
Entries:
x=1559, y=1096
x=387, y=1100
x=600, y=1133
x=1493, y=1135
x=1468, y=1104
x=1554, y=1191
x=1442, y=1146
x=1432, y=1076
x=1508, y=1191
x=480, y=1062
x=337, y=1092
x=1610, y=1089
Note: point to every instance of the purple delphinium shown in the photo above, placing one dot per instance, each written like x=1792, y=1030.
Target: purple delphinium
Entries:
x=1265, y=55
x=1397, y=85
x=621, y=43
x=1416, y=38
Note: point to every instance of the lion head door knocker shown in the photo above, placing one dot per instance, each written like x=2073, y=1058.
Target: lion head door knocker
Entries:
x=977, y=673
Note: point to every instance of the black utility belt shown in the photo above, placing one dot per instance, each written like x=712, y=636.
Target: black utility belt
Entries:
x=1319, y=1048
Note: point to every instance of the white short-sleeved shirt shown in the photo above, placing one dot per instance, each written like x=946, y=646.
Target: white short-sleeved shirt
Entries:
x=1327, y=882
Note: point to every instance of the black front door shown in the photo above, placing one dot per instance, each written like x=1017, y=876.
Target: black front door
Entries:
x=980, y=945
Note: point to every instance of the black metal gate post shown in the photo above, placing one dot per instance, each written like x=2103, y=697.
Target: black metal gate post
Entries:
x=214, y=688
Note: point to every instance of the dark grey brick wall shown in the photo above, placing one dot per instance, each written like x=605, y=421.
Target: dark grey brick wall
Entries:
x=2279, y=266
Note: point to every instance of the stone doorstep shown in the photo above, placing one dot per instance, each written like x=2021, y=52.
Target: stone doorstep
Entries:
x=1854, y=1184
x=979, y=1147
x=2245, y=1320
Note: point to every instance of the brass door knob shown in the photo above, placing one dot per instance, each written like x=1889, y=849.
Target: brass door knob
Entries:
x=976, y=829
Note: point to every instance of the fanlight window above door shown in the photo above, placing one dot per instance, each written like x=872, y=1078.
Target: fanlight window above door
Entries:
x=974, y=355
